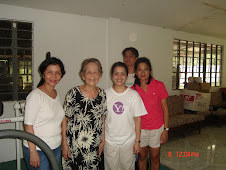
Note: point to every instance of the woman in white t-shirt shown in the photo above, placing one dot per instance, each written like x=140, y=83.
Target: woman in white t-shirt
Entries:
x=123, y=122
x=44, y=114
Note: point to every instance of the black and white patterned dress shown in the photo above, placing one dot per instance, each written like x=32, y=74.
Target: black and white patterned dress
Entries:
x=84, y=129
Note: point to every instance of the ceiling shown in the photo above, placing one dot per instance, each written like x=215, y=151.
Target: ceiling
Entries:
x=206, y=17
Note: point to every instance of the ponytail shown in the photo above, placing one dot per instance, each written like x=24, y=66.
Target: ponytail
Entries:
x=42, y=81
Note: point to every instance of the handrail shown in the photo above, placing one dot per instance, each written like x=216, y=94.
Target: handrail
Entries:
x=34, y=139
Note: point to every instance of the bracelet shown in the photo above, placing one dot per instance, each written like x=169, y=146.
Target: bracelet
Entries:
x=137, y=141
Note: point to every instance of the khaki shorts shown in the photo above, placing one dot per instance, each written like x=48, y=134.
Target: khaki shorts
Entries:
x=151, y=138
x=119, y=158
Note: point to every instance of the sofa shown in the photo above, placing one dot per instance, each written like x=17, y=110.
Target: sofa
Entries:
x=217, y=112
x=179, y=121
x=218, y=106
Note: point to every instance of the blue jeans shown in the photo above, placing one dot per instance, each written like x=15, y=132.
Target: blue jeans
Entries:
x=44, y=162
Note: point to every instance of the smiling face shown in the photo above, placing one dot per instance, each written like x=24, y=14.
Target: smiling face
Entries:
x=143, y=72
x=52, y=75
x=91, y=75
x=129, y=58
x=119, y=76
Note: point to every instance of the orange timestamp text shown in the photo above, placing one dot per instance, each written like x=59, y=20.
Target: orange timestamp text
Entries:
x=183, y=154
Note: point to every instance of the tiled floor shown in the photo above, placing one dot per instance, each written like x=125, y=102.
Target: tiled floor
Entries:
x=207, y=150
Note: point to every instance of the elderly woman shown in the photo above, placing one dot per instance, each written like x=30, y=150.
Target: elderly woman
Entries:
x=83, y=125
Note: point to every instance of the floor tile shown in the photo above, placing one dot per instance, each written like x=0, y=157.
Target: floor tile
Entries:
x=205, y=151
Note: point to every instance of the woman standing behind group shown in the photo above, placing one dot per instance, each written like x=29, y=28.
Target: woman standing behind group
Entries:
x=123, y=122
x=44, y=114
x=83, y=124
x=154, y=125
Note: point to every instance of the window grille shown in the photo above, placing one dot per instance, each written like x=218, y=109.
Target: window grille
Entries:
x=16, y=51
x=195, y=59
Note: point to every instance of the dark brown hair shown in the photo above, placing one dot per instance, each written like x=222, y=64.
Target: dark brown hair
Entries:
x=132, y=49
x=46, y=63
x=146, y=61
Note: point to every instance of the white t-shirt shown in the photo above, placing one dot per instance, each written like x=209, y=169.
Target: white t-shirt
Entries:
x=130, y=80
x=46, y=115
x=119, y=123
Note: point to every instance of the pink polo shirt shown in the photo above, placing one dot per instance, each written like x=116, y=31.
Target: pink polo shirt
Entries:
x=152, y=97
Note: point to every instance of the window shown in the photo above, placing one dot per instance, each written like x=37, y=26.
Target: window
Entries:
x=15, y=59
x=195, y=59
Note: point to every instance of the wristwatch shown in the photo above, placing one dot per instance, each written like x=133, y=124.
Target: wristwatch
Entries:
x=166, y=128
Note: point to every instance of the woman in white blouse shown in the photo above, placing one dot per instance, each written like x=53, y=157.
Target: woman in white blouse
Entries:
x=44, y=114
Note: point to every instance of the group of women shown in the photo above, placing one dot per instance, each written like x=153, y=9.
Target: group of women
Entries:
x=93, y=120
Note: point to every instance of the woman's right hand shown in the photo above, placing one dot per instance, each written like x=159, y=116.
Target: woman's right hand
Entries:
x=34, y=159
x=65, y=151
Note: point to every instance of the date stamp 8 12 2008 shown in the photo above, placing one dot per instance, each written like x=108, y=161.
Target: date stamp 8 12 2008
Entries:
x=183, y=154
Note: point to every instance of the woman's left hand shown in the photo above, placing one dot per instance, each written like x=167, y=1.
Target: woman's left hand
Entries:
x=101, y=147
x=164, y=137
x=136, y=148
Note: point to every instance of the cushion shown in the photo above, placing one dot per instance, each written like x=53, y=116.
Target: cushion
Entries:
x=173, y=122
x=190, y=118
x=175, y=105
x=206, y=113
x=220, y=112
x=216, y=99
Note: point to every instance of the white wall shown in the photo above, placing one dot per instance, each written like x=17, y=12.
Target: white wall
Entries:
x=157, y=44
x=72, y=38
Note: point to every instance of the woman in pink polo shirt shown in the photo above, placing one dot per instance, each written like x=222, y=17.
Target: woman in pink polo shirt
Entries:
x=154, y=125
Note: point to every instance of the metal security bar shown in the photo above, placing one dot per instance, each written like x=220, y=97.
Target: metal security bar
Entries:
x=196, y=59
x=16, y=49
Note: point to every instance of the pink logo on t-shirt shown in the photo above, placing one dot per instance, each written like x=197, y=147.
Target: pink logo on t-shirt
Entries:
x=118, y=108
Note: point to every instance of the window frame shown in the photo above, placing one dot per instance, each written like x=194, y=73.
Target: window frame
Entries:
x=19, y=43
x=205, y=54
